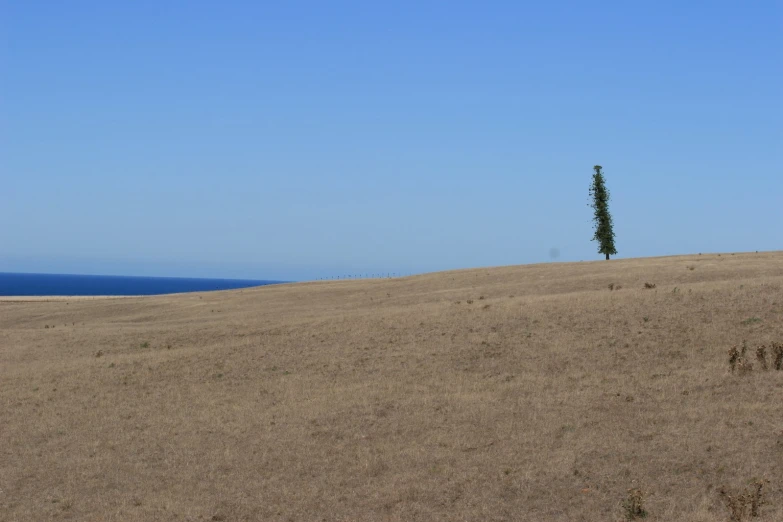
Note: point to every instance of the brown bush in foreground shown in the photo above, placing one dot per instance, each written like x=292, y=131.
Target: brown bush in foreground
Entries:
x=761, y=356
x=738, y=358
x=777, y=354
x=734, y=356
x=746, y=503
x=633, y=505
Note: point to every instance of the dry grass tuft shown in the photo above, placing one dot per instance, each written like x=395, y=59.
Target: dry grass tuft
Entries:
x=633, y=505
x=746, y=504
x=734, y=357
x=738, y=358
x=761, y=356
x=777, y=354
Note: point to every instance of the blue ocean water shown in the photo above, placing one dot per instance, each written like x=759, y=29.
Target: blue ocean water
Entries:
x=63, y=284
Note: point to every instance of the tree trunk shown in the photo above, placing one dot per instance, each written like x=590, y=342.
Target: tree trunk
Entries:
x=607, y=257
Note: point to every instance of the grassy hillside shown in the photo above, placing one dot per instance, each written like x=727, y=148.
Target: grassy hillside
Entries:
x=516, y=393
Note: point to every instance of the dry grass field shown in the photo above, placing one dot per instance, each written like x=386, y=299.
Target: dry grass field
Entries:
x=517, y=393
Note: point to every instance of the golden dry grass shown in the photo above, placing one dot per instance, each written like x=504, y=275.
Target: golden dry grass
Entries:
x=546, y=398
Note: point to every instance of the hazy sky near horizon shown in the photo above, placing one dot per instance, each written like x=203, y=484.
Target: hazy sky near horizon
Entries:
x=296, y=140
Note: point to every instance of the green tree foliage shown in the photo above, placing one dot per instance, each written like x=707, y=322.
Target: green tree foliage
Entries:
x=604, y=232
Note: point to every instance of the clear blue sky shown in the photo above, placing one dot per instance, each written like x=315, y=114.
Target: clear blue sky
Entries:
x=294, y=140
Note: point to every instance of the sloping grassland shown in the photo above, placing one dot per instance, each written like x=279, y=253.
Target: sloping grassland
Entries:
x=516, y=393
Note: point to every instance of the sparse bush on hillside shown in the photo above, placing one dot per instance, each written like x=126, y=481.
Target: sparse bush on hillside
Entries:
x=747, y=503
x=738, y=358
x=761, y=355
x=777, y=354
x=736, y=504
x=757, y=499
x=633, y=505
x=733, y=356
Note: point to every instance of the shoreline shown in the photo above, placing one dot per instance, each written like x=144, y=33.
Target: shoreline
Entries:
x=45, y=298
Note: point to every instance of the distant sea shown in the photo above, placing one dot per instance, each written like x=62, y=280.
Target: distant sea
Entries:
x=62, y=284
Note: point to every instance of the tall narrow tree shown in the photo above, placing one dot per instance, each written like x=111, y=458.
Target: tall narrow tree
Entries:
x=602, y=219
